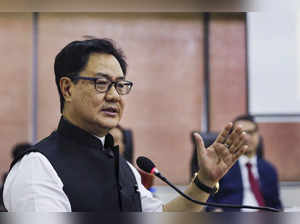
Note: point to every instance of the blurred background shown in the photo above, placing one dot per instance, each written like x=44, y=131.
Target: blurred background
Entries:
x=191, y=71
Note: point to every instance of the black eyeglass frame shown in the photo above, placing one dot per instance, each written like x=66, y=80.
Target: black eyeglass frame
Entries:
x=94, y=79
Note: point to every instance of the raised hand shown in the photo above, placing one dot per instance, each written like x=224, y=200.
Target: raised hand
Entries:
x=216, y=160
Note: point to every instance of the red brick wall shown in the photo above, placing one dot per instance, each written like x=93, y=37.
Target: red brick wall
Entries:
x=15, y=84
x=282, y=142
x=227, y=68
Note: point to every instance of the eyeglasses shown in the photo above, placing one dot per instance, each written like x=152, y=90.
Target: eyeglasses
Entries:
x=103, y=84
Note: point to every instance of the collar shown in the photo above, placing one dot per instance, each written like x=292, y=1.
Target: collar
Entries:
x=245, y=159
x=102, y=139
x=68, y=130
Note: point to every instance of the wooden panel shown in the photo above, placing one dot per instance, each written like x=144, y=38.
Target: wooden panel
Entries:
x=282, y=142
x=227, y=68
x=164, y=53
x=15, y=84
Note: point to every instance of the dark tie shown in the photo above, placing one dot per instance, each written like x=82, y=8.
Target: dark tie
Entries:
x=255, y=186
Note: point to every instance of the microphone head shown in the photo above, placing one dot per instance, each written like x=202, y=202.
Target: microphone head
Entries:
x=145, y=164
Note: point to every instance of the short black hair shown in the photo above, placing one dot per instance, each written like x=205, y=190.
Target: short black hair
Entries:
x=73, y=58
x=245, y=117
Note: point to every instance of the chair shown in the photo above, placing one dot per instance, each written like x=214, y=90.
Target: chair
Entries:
x=208, y=139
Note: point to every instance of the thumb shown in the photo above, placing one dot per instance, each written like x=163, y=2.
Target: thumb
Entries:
x=199, y=143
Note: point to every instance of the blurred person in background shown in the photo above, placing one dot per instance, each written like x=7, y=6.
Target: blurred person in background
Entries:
x=17, y=150
x=78, y=168
x=124, y=139
x=252, y=180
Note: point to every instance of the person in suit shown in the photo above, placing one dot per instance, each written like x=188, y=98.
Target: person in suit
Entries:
x=238, y=187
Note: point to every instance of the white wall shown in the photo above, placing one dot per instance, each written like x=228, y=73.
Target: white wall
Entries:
x=274, y=62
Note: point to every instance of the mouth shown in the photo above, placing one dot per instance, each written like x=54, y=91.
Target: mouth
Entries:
x=111, y=111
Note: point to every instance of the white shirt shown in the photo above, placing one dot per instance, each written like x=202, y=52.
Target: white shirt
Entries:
x=248, y=197
x=33, y=185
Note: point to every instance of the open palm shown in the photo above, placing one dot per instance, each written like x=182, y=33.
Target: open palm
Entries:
x=216, y=160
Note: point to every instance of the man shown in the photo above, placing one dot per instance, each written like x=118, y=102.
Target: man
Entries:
x=77, y=168
x=252, y=180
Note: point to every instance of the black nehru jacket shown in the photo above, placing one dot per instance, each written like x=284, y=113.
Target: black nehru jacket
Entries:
x=95, y=178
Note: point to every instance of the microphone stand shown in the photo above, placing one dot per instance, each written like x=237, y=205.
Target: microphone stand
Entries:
x=213, y=204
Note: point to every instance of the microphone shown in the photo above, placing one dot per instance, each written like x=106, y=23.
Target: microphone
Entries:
x=148, y=166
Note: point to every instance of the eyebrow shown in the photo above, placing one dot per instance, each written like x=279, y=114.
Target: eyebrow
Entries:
x=108, y=76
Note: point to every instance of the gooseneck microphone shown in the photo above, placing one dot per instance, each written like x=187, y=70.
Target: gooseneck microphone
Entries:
x=148, y=166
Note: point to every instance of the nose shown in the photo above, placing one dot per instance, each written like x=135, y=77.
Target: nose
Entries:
x=112, y=94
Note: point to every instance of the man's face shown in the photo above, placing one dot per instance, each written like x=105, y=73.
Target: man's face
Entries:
x=252, y=134
x=93, y=111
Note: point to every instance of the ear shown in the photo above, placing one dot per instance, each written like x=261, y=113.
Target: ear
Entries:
x=66, y=86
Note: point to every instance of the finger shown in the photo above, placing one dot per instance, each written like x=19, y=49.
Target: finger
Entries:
x=240, y=152
x=244, y=141
x=238, y=142
x=234, y=135
x=199, y=144
x=224, y=133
